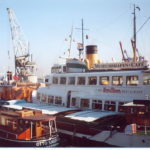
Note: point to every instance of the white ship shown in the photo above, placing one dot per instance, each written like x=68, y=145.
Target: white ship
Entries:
x=107, y=102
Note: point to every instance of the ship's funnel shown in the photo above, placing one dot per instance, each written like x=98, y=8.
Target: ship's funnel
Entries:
x=91, y=56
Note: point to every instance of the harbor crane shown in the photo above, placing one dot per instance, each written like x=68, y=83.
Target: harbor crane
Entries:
x=24, y=66
x=125, y=56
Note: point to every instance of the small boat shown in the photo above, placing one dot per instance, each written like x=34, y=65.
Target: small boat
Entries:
x=27, y=128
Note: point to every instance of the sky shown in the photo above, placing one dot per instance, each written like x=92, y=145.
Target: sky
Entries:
x=47, y=23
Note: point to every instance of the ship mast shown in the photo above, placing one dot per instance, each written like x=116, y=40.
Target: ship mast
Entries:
x=134, y=33
x=81, y=49
x=70, y=43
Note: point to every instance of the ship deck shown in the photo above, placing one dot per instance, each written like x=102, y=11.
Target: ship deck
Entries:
x=45, y=108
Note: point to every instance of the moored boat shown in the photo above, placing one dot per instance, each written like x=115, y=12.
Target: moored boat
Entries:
x=98, y=91
x=27, y=128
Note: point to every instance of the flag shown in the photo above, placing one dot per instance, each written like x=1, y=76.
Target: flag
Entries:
x=15, y=77
x=79, y=46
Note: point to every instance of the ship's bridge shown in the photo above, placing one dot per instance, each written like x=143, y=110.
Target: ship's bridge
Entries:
x=72, y=65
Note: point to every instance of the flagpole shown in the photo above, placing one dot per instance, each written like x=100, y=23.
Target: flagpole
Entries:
x=82, y=34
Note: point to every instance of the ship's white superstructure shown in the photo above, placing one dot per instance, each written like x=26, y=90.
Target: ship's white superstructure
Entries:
x=96, y=90
x=101, y=95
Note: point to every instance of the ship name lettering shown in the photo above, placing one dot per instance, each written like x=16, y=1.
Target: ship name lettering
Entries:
x=132, y=92
x=111, y=90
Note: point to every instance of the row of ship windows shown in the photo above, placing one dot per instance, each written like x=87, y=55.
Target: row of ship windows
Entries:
x=84, y=103
x=103, y=80
x=50, y=99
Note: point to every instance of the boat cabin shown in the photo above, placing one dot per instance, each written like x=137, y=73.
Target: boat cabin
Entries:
x=26, y=125
x=138, y=116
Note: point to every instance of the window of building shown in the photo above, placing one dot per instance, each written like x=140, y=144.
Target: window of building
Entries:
x=62, y=80
x=51, y=99
x=146, y=79
x=55, y=80
x=71, y=80
x=92, y=80
x=117, y=80
x=132, y=80
x=58, y=100
x=110, y=105
x=73, y=102
x=96, y=104
x=81, y=80
x=104, y=80
x=85, y=103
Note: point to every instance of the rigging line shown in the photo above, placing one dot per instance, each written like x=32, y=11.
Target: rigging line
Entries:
x=115, y=20
x=143, y=24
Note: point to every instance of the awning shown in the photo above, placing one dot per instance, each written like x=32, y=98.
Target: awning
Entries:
x=90, y=116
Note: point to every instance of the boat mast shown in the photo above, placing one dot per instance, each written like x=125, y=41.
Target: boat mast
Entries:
x=82, y=48
x=134, y=33
x=70, y=44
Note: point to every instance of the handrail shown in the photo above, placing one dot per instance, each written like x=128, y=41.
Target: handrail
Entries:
x=8, y=133
x=15, y=135
x=42, y=136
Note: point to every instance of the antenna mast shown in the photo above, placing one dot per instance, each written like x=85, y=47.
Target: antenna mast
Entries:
x=134, y=33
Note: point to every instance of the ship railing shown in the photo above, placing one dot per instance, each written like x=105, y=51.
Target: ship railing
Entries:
x=8, y=135
x=43, y=136
x=143, y=130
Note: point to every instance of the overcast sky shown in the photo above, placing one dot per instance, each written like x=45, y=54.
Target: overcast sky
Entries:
x=47, y=23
